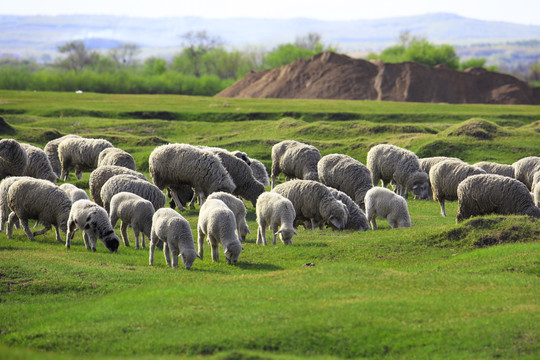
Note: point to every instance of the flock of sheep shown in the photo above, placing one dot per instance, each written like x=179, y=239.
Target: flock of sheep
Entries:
x=336, y=190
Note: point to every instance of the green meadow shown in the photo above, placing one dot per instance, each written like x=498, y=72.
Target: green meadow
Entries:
x=438, y=290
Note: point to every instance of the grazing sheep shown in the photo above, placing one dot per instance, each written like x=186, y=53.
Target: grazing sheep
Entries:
x=74, y=192
x=445, y=178
x=313, y=201
x=239, y=210
x=277, y=212
x=427, y=163
x=296, y=160
x=496, y=168
x=80, y=154
x=93, y=221
x=346, y=174
x=51, y=149
x=536, y=188
x=13, y=158
x=391, y=163
x=39, y=166
x=117, y=157
x=132, y=184
x=493, y=194
x=525, y=168
x=40, y=200
x=174, y=165
x=4, y=208
x=384, y=203
x=133, y=211
x=217, y=224
x=356, y=217
x=100, y=176
x=241, y=155
x=175, y=232
x=535, y=181
x=257, y=167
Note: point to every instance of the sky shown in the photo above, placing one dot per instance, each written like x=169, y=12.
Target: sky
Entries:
x=517, y=11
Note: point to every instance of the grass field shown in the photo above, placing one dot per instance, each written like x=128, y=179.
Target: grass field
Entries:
x=434, y=291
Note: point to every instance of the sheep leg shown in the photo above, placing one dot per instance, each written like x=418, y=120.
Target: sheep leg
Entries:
x=71, y=231
x=261, y=232
x=11, y=221
x=167, y=253
x=177, y=201
x=274, y=230
x=314, y=224
x=58, y=236
x=200, y=241
x=201, y=198
x=215, y=250
x=443, y=208
x=123, y=229
x=175, y=252
x=93, y=241
x=78, y=174
x=153, y=241
x=193, y=200
x=27, y=230
x=86, y=240
x=136, y=232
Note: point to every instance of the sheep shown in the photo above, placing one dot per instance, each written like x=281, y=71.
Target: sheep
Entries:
x=427, y=163
x=356, y=219
x=295, y=160
x=13, y=158
x=384, y=203
x=217, y=224
x=493, y=194
x=525, y=168
x=92, y=220
x=40, y=200
x=389, y=162
x=4, y=208
x=174, y=231
x=80, y=154
x=346, y=174
x=242, y=155
x=445, y=178
x=313, y=201
x=39, y=165
x=277, y=212
x=496, y=168
x=133, y=211
x=257, y=167
x=239, y=210
x=175, y=165
x=51, y=149
x=132, y=184
x=74, y=192
x=103, y=173
x=117, y=157
x=536, y=188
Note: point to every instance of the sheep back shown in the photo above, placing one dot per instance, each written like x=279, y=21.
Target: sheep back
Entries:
x=80, y=154
x=496, y=168
x=384, y=203
x=238, y=208
x=74, y=192
x=296, y=160
x=117, y=157
x=132, y=184
x=39, y=165
x=103, y=173
x=13, y=158
x=525, y=168
x=446, y=175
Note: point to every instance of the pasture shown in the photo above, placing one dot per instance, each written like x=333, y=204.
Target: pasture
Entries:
x=437, y=290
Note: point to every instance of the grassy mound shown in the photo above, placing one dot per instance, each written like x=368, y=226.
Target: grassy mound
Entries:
x=477, y=128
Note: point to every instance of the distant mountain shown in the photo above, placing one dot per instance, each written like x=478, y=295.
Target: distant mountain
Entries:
x=23, y=36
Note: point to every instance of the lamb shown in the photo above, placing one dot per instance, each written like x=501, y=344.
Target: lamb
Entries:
x=493, y=194
x=217, y=224
x=239, y=210
x=356, y=217
x=313, y=201
x=391, y=163
x=384, y=203
x=92, y=220
x=4, y=208
x=277, y=212
x=525, y=168
x=346, y=174
x=175, y=232
x=80, y=154
x=40, y=200
x=74, y=192
x=132, y=184
x=51, y=149
x=295, y=160
x=103, y=173
x=39, y=165
x=496, y=168
x=445, y=178
x=175, y=165
x=117, y=157
x=133, y=211
x=13, y=158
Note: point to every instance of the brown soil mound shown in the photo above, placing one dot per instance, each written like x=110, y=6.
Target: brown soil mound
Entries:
x=334, y=76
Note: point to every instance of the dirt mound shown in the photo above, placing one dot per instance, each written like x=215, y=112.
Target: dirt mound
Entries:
x=334, y=76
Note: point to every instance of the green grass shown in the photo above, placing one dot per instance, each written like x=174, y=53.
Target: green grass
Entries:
x=434, y=291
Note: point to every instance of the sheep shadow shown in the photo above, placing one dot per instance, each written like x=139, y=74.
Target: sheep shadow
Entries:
x=245, y=265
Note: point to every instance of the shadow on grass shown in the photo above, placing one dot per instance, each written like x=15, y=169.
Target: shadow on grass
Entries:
x=257, y=266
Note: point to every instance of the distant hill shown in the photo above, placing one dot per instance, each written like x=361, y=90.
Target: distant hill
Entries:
x=23, y=36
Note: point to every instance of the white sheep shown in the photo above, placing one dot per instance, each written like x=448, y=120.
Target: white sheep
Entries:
x=427, y=163
x=51, y=149
x=218, y=225
x=92, y=220
x=39, y=165
x=13, y=158
x=74, y=192
x=132, y=184
x=80, y=154
x=385, y=204
x=238, y=208
x=496, y=168
x=133, y=211
x=277, y=212
x=391, y=163
x=296, y=160
x=117, y=157
x=40, y=200
x=4, y=208
x=175, y=232
x=103, y=173
x=314, y=202
x=525, y=168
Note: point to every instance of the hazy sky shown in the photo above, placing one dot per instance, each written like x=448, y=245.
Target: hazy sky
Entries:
x=517, y=11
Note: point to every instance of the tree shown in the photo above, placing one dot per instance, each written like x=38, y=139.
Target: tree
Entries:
x=285, y=54
x=78, y=56
x=196, y=45
x=124, y=54
x=311, y=41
